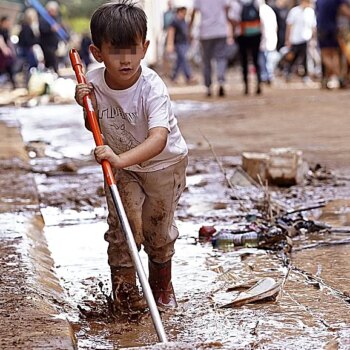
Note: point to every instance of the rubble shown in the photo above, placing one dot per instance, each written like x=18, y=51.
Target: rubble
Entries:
x=271, y=223
x=281, y=166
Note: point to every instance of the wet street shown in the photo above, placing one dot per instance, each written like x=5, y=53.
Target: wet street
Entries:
x=311, y=312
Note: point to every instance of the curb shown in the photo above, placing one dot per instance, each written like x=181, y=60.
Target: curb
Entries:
x=31, y=298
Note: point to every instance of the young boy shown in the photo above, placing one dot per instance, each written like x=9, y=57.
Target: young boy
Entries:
x=144, y=146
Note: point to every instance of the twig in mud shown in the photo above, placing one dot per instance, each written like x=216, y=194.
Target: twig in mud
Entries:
x=279, y=296
x=321, y=205
x=267, y=199
x=343, y=178
x=322, y=244
x=310, y=276
x=343, y=229
x=313, y=315
x=224, y=172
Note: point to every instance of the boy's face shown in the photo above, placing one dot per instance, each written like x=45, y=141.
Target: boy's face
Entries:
x=122, y=64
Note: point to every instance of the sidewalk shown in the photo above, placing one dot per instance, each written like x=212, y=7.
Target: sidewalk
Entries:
x=31, y=298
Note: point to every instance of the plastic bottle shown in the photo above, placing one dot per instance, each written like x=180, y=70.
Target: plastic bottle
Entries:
x=224, y=239
x=247, y=239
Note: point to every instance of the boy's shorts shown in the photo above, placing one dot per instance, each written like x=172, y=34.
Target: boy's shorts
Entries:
x=150, y=201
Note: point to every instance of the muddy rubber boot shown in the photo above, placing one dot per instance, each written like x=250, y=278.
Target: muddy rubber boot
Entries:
x=160, y=283
x=126, y=294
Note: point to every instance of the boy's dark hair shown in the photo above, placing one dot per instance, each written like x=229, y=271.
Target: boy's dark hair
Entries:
x=120, y=23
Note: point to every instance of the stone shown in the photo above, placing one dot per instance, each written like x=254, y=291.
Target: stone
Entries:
x=255, y=165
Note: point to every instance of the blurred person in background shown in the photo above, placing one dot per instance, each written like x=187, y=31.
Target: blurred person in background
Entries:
x=178, y=42
x=48, y=36
x=213, y=31
x=343, y=25
x=28, y=37
x=246, y=19
x=168, y=59
x=168, y=16
x=85, y=48
x=281, y=9
x=268, y=44
x=7, y=50
x=327, y=12
x=301, y=28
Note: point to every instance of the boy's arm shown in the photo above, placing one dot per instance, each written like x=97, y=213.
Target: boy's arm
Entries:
x=151, y=147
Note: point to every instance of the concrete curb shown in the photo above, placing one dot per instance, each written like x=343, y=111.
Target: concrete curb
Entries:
x=31, y=298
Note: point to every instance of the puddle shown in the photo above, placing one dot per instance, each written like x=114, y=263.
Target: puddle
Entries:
x=329, y=264
x=336, y=213
x=307, y=316
x=296, y=321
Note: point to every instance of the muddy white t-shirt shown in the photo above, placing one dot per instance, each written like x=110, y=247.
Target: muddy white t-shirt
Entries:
x=126, y=116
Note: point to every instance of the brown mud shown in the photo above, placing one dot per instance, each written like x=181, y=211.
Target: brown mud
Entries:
x=31, y=297
x=313, y=310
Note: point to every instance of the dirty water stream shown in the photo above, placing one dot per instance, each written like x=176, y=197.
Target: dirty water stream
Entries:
x=311, y=313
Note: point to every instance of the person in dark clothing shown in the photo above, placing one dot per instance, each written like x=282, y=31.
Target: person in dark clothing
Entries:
x=85, y=49
x=48, y=36
x=178, y=41
x=327, y=33
x=246, y=18
x=281, y=9
x=7, y=52
x=28, y=37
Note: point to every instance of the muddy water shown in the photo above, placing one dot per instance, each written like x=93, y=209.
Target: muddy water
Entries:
x=312, y=313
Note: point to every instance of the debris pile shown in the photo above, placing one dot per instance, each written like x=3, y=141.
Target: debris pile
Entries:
x=276, y=217
x=260, y=233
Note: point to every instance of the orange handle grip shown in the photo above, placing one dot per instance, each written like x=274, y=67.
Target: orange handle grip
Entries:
x=91, y=115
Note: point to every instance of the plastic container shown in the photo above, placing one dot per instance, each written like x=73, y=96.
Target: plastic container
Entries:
x=224, y=239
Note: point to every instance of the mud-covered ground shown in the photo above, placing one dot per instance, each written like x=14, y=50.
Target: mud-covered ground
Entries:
x=313, y=310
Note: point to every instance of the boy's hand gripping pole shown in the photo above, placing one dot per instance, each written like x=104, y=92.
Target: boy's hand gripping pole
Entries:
x=107, y=171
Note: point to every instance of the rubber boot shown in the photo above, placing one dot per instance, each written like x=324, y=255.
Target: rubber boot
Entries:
x=160, y=283
x=126, y=294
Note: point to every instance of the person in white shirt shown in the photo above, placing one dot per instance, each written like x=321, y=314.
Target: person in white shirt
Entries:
x=268, y=54
x=144, y=146
x=301, y=27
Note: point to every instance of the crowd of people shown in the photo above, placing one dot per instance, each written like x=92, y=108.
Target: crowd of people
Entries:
x=37, y=43
x=303, y=38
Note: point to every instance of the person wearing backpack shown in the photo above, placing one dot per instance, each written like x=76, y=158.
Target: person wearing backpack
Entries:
x=245, y=15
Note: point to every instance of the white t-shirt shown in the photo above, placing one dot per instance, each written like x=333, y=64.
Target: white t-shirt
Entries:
x=303, y=22
x=126, y=116
x=213, y=22
x=268, y=28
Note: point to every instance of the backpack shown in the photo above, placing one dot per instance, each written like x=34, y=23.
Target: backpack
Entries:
x=250, y=19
